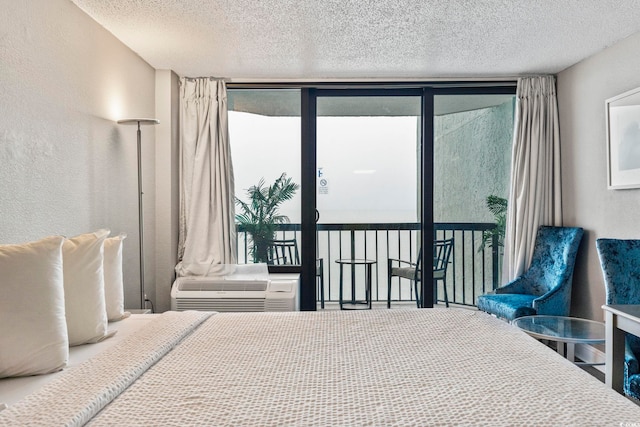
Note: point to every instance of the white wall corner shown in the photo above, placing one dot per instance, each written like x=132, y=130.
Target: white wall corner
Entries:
x=167, y=197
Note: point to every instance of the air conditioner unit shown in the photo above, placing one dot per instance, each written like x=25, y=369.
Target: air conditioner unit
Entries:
x=277, y=293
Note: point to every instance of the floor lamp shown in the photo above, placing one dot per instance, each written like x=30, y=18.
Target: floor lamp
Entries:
x=140, y=122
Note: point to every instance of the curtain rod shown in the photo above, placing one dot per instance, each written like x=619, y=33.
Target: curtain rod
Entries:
x=207, y=77
x=374, y=85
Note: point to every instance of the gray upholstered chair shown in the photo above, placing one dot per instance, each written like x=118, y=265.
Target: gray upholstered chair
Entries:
x=285, y=252
x=409, y=270
x=620, y=262
x=545, y=288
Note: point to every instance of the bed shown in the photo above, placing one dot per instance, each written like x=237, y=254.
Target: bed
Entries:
x=16, y=388
x=377, y=367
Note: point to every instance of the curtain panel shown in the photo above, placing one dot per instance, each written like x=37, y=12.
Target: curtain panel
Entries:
x=207, y=233
x=535, y=197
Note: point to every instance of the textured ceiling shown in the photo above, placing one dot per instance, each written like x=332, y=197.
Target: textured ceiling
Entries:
x=365, y=39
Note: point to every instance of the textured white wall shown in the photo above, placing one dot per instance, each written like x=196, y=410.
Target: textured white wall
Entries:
x=167, y=192
x=582, y=91
x=65, y=166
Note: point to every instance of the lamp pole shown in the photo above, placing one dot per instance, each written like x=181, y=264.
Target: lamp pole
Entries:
x=140, y=122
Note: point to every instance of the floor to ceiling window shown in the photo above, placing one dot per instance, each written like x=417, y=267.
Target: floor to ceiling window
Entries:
x=472, y=139
x=373, y=164
x=264, y=130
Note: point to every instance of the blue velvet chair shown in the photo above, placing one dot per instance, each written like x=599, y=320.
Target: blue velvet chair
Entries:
x=620, y=262
x=545, y=288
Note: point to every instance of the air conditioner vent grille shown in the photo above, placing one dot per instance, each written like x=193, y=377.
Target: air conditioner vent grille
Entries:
x=223, y=285
x=222, y=305
x=278, y=305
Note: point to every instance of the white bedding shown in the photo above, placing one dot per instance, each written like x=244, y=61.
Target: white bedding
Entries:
x=380, y=367
x=14, y=389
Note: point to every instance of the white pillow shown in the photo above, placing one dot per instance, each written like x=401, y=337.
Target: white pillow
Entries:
x=113, y=283
x=86, y=311
x=33, y=331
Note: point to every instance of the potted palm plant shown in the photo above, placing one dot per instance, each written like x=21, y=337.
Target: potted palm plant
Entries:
x=498, y=207
x=260, y=215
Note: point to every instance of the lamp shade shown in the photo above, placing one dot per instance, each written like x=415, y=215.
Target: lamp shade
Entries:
x=138, y=121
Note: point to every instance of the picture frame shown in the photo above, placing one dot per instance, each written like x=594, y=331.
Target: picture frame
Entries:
x=623, y=140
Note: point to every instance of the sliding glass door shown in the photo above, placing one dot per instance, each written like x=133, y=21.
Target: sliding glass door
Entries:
x=368, y=180
x=380, y=173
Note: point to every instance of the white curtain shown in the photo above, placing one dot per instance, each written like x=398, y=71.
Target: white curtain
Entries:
x=207, y=202
x=535, y=190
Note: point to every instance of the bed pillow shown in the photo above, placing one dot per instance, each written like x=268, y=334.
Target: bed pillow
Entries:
x=33, y=331
x=82, y=259
x=113, y=283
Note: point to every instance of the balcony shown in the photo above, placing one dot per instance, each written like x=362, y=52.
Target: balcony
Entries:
x=473, y=271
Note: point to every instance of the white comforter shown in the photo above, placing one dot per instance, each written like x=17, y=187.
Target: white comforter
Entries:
x=380, y=367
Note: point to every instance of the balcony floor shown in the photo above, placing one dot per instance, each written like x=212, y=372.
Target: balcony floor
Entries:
x=397, y=305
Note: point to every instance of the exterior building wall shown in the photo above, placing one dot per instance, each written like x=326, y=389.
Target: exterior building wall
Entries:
x=472, y=161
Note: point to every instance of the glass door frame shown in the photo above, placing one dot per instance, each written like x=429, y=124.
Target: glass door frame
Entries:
x=308, y=161
x=310, y=97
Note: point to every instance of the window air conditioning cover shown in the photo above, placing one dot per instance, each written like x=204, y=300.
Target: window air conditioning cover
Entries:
x=275, y=293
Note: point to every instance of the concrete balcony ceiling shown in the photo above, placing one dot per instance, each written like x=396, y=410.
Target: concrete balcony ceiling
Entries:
x=280, y=103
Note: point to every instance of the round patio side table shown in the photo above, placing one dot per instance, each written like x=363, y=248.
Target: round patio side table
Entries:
x=353, y=303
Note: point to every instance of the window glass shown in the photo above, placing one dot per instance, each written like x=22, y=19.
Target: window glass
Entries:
x=264, y=133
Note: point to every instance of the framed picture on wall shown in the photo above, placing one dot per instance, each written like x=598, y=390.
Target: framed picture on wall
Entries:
x=623, y=140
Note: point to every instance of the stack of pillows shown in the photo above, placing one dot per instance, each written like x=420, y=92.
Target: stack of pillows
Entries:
x=56, y=293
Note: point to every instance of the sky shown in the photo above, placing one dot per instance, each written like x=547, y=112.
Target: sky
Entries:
x=367, y=166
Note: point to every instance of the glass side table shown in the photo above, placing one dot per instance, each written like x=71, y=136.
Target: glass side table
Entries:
x=563, y=330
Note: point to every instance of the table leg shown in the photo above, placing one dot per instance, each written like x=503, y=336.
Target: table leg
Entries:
x=571, y=351
x=341, y=277
x=353, y=284
x=367, y=285
x=614, y=351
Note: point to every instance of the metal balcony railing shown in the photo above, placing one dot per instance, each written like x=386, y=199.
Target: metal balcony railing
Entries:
x=472, y=271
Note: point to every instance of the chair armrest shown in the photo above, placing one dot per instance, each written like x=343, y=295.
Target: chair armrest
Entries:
x=516, y=286
x=557, y=301
x=552, y=303
x=631, y=368
x=399, y=261
x=631, y=365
